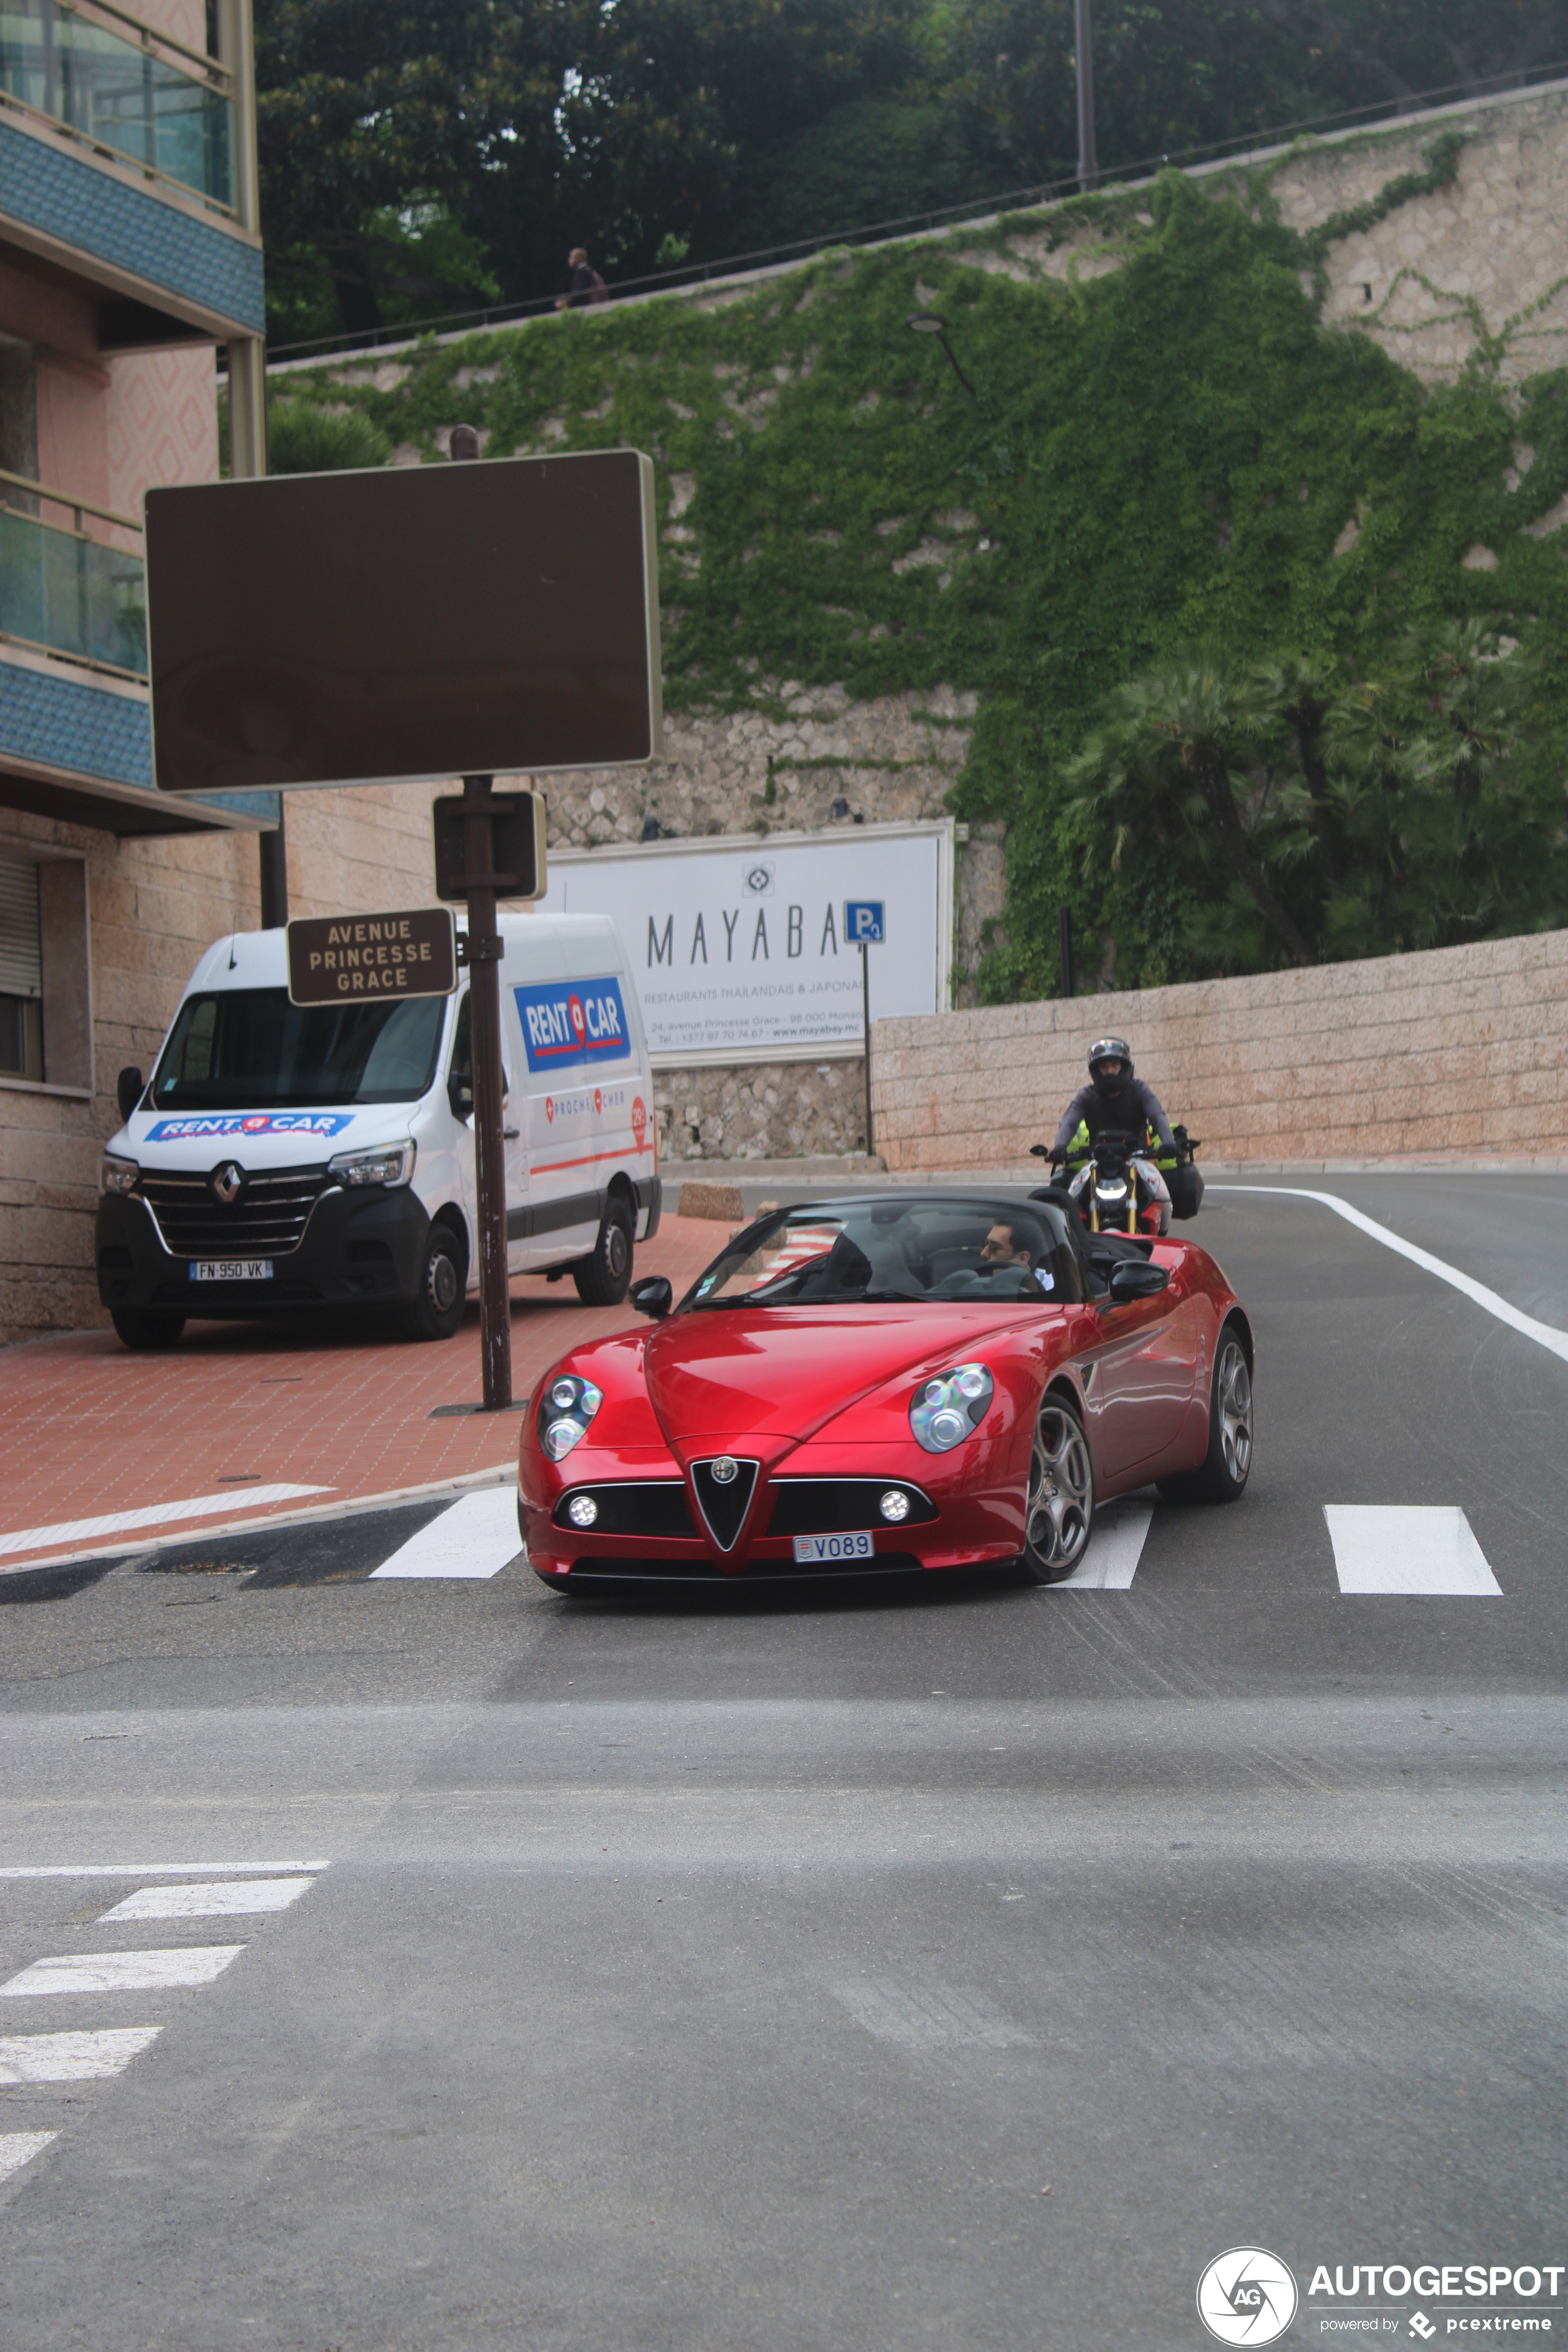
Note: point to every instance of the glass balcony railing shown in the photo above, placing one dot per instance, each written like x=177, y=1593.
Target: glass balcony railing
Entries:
x=65, y=592
x=121, y=90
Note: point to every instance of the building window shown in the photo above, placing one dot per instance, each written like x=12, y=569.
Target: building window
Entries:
x=21, y=971
x=46, y=985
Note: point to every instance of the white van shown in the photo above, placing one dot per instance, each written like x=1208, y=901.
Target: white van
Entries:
x=284, y=1159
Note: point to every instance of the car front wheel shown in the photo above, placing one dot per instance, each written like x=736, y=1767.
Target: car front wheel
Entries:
x=436, y=1309
x=603, y=1277
x=1059, y=1518
x=140, y=1327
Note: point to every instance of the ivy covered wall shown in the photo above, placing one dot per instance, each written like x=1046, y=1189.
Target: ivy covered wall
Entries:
x=1159, y=442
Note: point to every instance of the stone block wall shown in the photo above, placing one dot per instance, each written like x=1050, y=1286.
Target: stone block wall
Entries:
x=1463, y=1050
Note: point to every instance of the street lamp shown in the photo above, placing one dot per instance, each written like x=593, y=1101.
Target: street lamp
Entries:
x=931, y=322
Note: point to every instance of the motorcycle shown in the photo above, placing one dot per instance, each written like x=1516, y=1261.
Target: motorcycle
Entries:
x=1119, y=1189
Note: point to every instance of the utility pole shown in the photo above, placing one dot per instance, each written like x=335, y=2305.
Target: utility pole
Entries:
x=247, y=363
x=484, y=953
x=1083, y=36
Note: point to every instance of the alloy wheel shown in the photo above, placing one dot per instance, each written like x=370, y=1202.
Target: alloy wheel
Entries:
x=1061, y=1490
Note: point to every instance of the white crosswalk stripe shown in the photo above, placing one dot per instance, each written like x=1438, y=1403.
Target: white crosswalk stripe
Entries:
x=78, y=1972
x=1407, y=1549
x=18, y=2148
x=72, y=2057
x=476, y=1537
x=225, y=1899
x=1111, y=1560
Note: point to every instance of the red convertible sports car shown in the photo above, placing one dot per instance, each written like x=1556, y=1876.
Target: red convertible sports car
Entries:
x=908, y=1380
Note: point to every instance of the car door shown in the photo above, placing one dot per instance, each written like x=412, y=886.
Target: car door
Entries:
x=1144, y=1367
x=514, y=1150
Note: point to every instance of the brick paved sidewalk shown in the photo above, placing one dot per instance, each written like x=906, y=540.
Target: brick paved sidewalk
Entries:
x=90, y=1429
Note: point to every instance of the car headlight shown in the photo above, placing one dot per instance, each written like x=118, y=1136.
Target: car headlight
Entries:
x=389, y=1163
x=566, y=1406
x=117, y=1175
x=944, y=1411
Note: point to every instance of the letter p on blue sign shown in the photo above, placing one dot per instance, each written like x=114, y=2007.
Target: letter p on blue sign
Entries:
x=865, y=919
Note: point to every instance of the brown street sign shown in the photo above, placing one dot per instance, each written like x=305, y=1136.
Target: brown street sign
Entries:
x=518, y=847
x=339, y=959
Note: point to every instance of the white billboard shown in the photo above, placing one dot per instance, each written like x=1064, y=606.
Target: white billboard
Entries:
x=737, y=945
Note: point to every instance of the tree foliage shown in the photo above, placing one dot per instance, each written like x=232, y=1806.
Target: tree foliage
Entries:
x=724, y=125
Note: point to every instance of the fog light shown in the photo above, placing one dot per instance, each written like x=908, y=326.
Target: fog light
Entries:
x=894, y=1506
x=582, y=1510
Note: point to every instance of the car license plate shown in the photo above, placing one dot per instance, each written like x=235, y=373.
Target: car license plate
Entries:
x=232, y=1269
x=816, y=1549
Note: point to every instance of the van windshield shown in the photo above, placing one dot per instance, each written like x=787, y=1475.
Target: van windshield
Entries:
x=250, y=1049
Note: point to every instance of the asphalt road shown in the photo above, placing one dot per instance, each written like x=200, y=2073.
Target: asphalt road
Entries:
x=727, y=1973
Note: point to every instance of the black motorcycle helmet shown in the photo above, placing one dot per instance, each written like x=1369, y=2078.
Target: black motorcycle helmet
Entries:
x=1110, y=1049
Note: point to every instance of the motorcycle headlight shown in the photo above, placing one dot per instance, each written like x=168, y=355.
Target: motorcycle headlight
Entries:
x=566, y=1406
x=943, y=1412
x=117, y=1175
x=389, y=1163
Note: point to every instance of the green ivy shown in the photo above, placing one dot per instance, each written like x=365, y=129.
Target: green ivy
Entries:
x=1159, y=456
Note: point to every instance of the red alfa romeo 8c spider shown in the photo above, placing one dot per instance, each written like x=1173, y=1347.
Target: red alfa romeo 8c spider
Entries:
x=900, y=1380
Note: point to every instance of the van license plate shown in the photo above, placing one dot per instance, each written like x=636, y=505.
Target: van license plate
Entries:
x=815, y=1549
x=232, y=1269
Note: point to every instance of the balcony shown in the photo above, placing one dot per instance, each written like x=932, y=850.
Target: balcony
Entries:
x=76, y=740
x=67, y=590
x=141, y=95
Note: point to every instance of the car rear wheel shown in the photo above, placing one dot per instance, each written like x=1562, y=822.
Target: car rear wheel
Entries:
x=603, y=1277
x=1059, y=1517
x=139, y=1326
x=1221, y=1475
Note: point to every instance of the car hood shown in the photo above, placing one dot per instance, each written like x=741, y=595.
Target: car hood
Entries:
x=737, y=1376
x=190, y=1141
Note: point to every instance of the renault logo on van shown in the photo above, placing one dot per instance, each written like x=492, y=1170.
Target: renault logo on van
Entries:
x=229, y=1181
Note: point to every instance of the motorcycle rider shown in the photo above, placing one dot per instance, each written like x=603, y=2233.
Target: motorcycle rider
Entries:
x=1115, y=1102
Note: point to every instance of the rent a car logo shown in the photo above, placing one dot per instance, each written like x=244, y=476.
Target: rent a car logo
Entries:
x=199, y=1125
x=585, y=1022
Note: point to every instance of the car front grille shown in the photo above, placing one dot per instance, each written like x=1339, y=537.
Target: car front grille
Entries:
x=266, y=1220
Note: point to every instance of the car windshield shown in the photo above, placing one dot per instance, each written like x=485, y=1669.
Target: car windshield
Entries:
x=889, y=1251
x=250, y=1049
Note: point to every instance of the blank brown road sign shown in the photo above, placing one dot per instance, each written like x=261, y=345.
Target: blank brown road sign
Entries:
x=346, y=959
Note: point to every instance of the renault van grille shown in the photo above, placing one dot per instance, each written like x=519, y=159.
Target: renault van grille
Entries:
x=266, y=1218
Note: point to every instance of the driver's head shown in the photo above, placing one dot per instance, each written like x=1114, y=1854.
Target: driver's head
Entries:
x=1110, y=1063
x=1006, y=1244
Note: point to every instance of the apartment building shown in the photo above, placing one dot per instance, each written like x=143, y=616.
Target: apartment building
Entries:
x=129, y=253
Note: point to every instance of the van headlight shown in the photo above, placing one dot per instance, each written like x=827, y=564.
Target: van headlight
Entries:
x=117, y=1175
x=389, y=1163
x=566, y=1406
x=943, y=1412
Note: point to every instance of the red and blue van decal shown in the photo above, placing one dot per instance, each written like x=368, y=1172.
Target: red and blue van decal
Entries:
x=568, y=1022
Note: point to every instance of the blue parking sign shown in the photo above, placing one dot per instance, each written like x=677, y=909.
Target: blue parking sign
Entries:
x=865, y=919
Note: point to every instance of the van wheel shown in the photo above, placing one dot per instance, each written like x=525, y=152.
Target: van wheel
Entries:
x=603, y=1277
x=437, y=1312
x=138, y=1327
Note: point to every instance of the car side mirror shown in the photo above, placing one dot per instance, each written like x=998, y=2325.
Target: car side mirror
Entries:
x=652, y=1297
x=1136, y=1278
x=128, y=1091
x=460, y=1095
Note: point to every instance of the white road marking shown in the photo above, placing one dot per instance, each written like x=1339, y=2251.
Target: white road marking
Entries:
x=154, y=1515
x=190, y=1964
x=929, y=2017
x=18, y=2148
x=1544, y=1334
x=218, y=1900
x=72, y=2057
x=155, y=1869
x=1407, y=1548
x=476, y=1537
x=1110, y=1562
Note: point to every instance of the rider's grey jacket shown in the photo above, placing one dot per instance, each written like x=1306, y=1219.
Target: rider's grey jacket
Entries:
x=1123, y=1112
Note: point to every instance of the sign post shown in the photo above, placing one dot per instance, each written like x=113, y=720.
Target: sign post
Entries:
x=485, y=951
x=866, y=922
